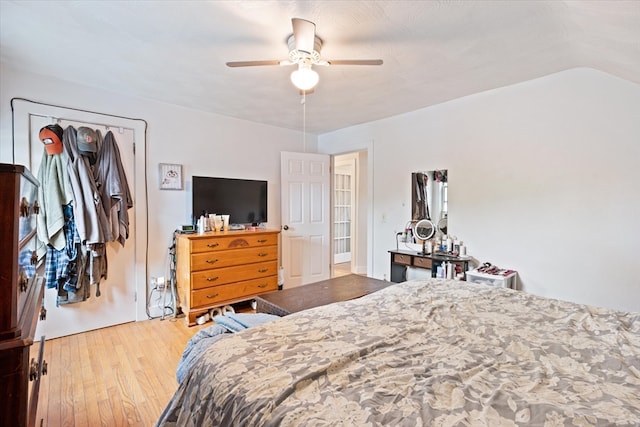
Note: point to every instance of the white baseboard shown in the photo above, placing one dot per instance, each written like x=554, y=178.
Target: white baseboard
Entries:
x=359, y=269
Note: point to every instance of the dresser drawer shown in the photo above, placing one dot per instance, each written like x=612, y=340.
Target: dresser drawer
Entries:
x=423, y=262
x=217, y=259
x=233, y=291
x=402, y=259
x=221, y=276
x=221, y=243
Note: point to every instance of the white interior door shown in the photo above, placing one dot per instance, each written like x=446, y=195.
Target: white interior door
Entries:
x=343, y=202
x=305, y=191
x=117, y=302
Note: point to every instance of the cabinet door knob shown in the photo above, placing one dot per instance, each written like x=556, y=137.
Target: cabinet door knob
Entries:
x=25, y=209
x=212, y=279
x=23, y=281
x=211, y=261
x=33, y=370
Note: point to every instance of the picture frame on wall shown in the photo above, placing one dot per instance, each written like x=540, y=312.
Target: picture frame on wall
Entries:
x=170, y=176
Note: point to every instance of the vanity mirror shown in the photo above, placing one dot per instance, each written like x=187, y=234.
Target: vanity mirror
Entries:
x=424, y=229
x=429, y=199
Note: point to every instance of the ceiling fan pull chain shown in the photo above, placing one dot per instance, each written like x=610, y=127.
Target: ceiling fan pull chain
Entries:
x=304, y=121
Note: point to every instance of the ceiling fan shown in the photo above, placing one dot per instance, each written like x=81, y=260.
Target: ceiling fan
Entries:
x=304, y=51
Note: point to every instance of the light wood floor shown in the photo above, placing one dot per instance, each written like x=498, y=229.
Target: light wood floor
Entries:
x=118, y=376
x=341, y=269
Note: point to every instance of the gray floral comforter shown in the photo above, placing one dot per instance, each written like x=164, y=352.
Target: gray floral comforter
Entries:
x=422, y=353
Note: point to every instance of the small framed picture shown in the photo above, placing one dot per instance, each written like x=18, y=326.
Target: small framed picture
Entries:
x=170, y=176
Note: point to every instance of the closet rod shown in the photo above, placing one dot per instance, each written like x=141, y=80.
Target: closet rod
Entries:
x=74, y=109
x=88, y=122
x=17, y=98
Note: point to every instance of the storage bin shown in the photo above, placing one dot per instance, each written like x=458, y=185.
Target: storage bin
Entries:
x=508, y=281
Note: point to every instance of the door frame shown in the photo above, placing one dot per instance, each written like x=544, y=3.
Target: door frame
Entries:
x=350, y=161
x=22, y=146
x=348, y=148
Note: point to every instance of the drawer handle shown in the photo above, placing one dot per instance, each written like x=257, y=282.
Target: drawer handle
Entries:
x=212, y=296
x=23, y=281
x=262, y=285
x=263, y=254
x=211, y=261
x=213, y=245
x=212, y=279
x=262, y=240
x=263, y=270
x=33, y=370
x=25, y=209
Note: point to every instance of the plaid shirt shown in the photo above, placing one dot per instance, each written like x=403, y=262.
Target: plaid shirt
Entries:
x=60, y=266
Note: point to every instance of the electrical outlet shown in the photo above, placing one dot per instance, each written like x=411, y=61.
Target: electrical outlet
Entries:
x=161, y=283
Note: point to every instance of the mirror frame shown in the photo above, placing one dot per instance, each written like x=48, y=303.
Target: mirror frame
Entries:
x=429, y=198
x=424, y=224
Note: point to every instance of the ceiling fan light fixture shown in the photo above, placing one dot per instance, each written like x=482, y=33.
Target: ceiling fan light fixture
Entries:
x=304, y=78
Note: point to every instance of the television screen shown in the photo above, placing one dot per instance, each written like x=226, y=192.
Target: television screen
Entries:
x=244, y=200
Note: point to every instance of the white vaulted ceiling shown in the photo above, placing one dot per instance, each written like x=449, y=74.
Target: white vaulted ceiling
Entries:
x=433, y=51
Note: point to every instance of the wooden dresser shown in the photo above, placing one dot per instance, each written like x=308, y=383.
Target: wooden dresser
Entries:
x=220, y=268
x=21, y=292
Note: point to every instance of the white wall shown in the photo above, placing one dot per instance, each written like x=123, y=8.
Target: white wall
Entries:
x=204, y=143
x=544, y=178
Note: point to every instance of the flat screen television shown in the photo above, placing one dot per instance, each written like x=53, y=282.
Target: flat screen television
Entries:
x=244, y=200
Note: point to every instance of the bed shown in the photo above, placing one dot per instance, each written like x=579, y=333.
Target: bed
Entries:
x=421, y=353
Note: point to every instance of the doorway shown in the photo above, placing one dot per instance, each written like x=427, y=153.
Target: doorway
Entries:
x=349, y=213
x=124, y=292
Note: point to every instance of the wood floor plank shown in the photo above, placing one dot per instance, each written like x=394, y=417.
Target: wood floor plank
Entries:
x=89, y=381
x=55, y=407
x=79, y=409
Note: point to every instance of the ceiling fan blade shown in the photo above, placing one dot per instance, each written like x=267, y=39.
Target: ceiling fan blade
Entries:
x=355, y=62
x=252, y=63
x=304, y=33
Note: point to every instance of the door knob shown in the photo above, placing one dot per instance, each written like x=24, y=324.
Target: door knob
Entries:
x=286, y=227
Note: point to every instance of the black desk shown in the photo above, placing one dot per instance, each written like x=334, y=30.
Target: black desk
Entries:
x=401, y=259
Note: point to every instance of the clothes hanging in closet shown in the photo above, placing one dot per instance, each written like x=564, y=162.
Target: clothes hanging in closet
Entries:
x=86, y=198
x=114, y=188
x=90, y=216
